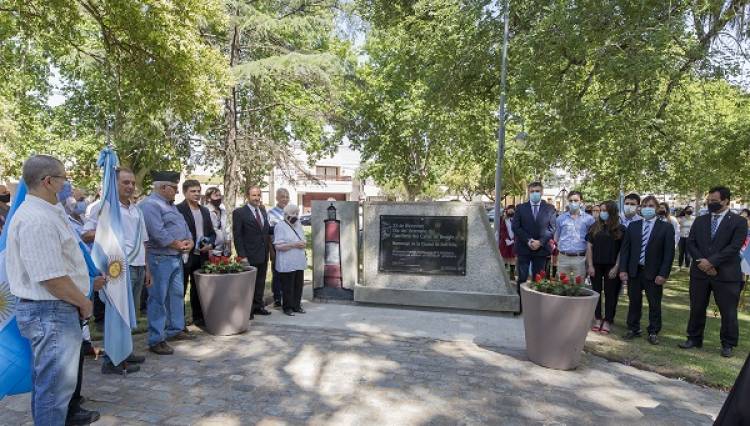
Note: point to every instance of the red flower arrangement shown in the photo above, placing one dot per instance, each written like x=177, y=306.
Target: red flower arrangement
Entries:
x=222, y=265
x=561, y=287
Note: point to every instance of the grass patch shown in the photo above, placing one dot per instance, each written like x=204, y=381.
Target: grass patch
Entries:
x=703, y=366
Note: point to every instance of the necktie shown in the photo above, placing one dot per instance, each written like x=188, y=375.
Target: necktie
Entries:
x=257, y=218
x=714, y=225
x=535, y=209
x=644, y=241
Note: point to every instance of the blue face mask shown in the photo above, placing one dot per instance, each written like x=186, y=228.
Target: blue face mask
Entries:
x=648, y=213
x=604, y=216
x=574, y=206
x=80, y=208
x=535, y=197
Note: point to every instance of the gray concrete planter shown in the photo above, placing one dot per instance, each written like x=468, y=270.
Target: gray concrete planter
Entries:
x=226, y=300
x=556, y=327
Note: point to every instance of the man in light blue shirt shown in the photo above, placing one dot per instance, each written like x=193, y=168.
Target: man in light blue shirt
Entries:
x=169, y=237
x=572, y=227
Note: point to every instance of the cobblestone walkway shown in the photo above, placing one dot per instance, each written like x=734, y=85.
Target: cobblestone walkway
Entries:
x=280, y=374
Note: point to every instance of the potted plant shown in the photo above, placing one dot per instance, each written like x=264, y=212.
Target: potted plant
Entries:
x=556, y=316
x=225, y=289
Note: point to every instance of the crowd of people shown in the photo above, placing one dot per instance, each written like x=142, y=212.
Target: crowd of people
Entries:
x=634, y=248
x=165, y=244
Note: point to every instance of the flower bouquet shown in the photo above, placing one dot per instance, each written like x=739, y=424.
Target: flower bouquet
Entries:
x=561, y=287
x=222, y=265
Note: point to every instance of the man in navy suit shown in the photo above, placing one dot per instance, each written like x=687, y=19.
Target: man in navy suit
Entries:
x=534, y=226
x=714, y=243
x=250, y=229
x=645, y=263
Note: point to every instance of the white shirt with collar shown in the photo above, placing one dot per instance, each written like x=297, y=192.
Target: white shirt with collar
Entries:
x=253, y=209
x=133, y=223
x=42, y=246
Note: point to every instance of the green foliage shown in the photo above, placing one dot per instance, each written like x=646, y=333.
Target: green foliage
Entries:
x=142, y=68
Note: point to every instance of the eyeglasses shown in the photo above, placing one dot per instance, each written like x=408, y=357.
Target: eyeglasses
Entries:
x=65, y=178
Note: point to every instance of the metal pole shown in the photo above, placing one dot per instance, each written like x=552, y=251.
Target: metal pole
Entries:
x=501, y=115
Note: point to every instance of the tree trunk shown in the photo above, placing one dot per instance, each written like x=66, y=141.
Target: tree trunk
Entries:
x=698, y=202
x=231, y=164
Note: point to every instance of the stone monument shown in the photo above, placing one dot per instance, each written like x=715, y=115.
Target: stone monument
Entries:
x=438, y=254
x=335, y=240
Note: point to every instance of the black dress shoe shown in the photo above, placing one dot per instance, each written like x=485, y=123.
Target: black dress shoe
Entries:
x=289, y=312
x=252, y=316
x=81, y=417
x=630, y=335
x=199, y=322
x=135, y=359
x=300, y=311
x=653, y=339
x=262, y=311
x=689, y=344
x=109, y=368
x=726, y=351
x=276, y=304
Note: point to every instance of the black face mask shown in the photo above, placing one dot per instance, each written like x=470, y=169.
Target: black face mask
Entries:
x=714, y=207
x=510, y=214
x=5, y=198
x=292, y=220
x=216, y=203
x=662, y=213
x=689, y=212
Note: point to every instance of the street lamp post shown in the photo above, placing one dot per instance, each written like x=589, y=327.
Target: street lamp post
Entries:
x=501, y=116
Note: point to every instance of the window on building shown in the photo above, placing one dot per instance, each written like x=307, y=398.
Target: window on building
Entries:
x=326, y=172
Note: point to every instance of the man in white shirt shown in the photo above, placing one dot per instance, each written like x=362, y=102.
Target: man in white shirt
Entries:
x=135, y=235
x=276, y=215
x=47, y=272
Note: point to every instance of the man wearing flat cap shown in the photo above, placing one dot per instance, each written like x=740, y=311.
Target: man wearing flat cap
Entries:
x=169, y=238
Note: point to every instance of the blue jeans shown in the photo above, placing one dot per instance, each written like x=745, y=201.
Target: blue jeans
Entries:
x=54, y=331
x=166, y=298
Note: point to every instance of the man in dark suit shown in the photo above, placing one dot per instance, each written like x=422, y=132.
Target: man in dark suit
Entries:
x=198, y=220
x=250, y=228
x=645, y=263
x=533, y=226
x=714, y=243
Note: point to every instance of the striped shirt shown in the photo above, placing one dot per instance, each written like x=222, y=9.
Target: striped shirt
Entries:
x=275, y=215
x=42, y=246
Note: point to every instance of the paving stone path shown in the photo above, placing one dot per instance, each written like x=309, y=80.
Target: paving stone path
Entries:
x=283, y=374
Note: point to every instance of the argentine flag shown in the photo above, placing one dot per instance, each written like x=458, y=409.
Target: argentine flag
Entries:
x=15, y=350
x=109, y=256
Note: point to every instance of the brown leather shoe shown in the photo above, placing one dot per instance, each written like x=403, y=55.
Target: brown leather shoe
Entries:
x=161, y=348
x=183, y=335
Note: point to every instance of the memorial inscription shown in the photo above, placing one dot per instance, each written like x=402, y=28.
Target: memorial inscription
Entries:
x=425, y=245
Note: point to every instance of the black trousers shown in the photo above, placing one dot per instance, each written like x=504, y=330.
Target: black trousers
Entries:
x=275, y=283
x=99, y=309
x=193, y=264
x=291, y=288
x=636, y=287
x=522, y=266
x=682, y=253
x=736, y=410
x=610, y=287
x=75, y=401
x=260, y=286
x=727, y=297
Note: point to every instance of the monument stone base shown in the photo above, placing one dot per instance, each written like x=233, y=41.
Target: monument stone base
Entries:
x=478, y=281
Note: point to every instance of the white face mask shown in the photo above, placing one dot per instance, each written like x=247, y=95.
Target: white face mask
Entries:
x=629, y=210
